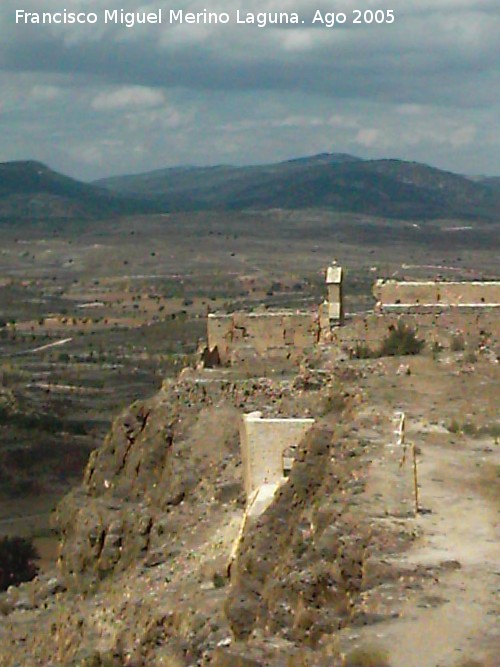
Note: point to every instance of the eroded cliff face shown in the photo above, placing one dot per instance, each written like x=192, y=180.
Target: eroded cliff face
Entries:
x=152, y=461
x=165, y=461
x=300, y=566
x=145, y=541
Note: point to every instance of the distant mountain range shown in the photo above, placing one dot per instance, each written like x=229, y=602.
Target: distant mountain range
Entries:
x=388, y=188
x=385, y=188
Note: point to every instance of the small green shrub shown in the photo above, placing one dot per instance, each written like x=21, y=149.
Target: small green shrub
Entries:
x=400, y=341
x=334, y=402
x=469, y=429
x=367, y=656
x=362, y=351
x=473, y=431
x=493, y=430
x=457, y=343
x=437, y=348
x=219, y=580
x=454, y=426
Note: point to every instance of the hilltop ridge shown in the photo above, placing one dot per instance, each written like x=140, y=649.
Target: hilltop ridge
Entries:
x=387, y=188
x=30, y=189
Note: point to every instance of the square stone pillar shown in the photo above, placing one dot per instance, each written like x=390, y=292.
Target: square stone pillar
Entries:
x=334, y=279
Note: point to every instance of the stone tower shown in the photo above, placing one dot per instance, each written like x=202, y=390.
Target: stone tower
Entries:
x=332, y=309
x=334, y=278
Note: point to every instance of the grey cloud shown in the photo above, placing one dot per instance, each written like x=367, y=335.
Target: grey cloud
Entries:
x=413, y=78
x=442, y=56
x=372, y=60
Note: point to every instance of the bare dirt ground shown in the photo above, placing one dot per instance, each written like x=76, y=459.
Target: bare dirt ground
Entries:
x=452, y=615
x=463, y=529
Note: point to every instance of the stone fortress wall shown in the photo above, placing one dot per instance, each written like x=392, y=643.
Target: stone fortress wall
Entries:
x=435, y=310
x=421, y=295
x=282, y=335
x=279, y=335
x=263, y=444
x=476, y=327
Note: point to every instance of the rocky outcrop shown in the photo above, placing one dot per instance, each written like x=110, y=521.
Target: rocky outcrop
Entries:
x=162, y=462
x=151, y=462
x=300, y=566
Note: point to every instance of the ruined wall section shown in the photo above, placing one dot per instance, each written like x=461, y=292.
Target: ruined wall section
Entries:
x=479, y=327
x=263, y=442
x=410, y=295
x=281, y=335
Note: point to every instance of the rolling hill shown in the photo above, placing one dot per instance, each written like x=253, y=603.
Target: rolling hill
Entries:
x=391, y=189
x=492, y=182
x=30, y=190
x=388, y=188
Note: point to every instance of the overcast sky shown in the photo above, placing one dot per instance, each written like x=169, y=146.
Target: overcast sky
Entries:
x=97, y=100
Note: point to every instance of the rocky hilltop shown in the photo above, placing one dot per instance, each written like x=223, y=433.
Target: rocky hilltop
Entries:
x=394, y=189
x=142, y=576
x=32, y=191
